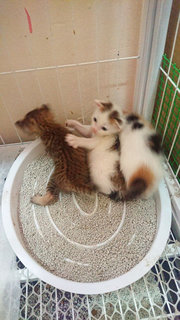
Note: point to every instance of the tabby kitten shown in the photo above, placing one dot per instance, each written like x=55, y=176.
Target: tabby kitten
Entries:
x=71, y=172
x=102, y=140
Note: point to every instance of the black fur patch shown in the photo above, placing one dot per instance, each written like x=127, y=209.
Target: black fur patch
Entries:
x=137, y=187
x=155, y=143
x=137, y=125
x=131, y=118
x=107, y=106
x=114, y=195
x=116, y=144
x=114, y=115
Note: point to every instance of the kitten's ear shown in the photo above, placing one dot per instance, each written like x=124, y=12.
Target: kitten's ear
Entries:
x=116, y=119
x=45, y=107
x=104, y=106
x=118, y=123
x=99, y=104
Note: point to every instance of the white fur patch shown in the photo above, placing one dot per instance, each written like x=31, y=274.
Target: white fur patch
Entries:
x=135, y=153
x=102, y=163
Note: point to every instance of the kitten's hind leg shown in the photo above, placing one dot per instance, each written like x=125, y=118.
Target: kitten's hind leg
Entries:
x=44, y=200
x=51, y=196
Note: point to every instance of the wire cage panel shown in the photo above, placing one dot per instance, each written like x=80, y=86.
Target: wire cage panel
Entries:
x=166, y=113
x=155, y=296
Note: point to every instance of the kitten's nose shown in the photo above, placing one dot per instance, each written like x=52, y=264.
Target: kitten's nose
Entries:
x=94, y=130
x=18, y=123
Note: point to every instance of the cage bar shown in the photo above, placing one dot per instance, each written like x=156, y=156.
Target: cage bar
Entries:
x=173, y=142
x=172, y=82
x=10, y=118
x=172, y=104
x=177, y=171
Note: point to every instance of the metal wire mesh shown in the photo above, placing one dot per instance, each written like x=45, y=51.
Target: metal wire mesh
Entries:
x=155, y=296
x=166, y=113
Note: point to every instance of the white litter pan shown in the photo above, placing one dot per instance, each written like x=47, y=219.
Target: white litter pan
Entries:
x=10, y=211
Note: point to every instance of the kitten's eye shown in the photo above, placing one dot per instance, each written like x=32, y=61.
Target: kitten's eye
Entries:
x=104, y=128
x=95, y=119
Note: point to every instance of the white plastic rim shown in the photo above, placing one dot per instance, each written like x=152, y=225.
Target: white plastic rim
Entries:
x=11, y=226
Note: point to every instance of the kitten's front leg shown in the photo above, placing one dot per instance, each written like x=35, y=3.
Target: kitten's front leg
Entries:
x=72, y=140
x=84, y=130
x=75, y=142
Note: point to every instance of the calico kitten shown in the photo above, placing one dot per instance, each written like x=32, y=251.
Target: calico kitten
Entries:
x=102, y=141
x=140, y=158
x=71, y=171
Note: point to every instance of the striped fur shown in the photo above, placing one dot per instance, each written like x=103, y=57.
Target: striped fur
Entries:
x=71, y=171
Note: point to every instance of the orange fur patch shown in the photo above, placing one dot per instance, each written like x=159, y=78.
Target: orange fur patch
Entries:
x=142, y=173
x=48, y=198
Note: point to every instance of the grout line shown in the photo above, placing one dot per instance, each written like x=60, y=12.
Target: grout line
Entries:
x=97, y=53
x=35, y=76
x=59, y=93
x=2, y=140
x=10, y=118
x=3, y=102
x=77, y=71
x=80, y=95
x=19, y=89
x=70, y=65
x=58, y=87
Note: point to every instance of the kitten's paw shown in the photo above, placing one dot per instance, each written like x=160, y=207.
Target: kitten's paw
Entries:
x=36, y=199
x=44, y=200
x=72, y=140
x=70, y=123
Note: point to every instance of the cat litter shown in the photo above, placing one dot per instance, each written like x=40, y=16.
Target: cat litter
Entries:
x=83, y=238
